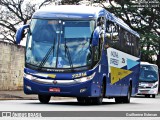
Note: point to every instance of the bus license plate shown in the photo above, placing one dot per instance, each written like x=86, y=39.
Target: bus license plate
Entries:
x=54, y=89
x=144, y=92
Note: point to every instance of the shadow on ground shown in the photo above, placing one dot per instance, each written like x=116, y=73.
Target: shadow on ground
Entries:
x=75, y=103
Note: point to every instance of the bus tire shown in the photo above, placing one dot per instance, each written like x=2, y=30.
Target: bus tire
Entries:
x=118, y=99
x=44, y=98
x=81, y=100
x=153, y=96
x=88, y=101
x=147, y=96
x=99, y=100
x=126, y=99
x=84, y=100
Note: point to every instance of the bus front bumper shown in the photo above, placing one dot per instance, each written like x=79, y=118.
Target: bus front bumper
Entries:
x=151, y=91
x=69, y=90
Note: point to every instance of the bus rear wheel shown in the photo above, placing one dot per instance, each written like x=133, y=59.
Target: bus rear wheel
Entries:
x=128, y=97
x=81, y=100
x=44, y=98
x=97, y=100
x=147, y=96
x=153, y=96
x=125, y=99
x=118, y=99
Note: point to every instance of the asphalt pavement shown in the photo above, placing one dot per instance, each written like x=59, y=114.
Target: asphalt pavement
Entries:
x=18, y=101
x=20, y=95
x=14, y=95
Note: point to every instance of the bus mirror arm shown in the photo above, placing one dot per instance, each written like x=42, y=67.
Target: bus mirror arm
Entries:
x=20, y=32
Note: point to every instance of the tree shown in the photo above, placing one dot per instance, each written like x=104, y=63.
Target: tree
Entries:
x=70, y=2
x=15, y=13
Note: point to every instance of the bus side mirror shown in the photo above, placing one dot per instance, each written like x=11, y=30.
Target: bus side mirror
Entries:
x=95, y=37
x=19, y=33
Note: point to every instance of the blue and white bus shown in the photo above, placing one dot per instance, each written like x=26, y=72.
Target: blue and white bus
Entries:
x=80, y=51
x=148, y=80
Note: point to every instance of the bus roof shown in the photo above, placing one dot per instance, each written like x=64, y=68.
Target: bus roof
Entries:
x=79, y=12
x=147, y=63
x=68, y=11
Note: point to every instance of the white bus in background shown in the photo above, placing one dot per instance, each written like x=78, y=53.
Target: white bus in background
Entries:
x=148, y=80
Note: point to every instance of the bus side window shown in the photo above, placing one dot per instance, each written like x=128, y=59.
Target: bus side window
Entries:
x=115, y=36
x=127, y=42
x=108, y=32
x=122, y=40
x=136, y=47
x=101, y=22
x=112, y=35
x=98, y=50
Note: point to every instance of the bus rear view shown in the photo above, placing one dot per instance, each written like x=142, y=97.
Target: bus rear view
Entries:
x=148, y=80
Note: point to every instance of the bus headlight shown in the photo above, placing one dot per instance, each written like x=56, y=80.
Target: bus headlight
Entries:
x=155, y=86
x=84, y=79
x=30, y=77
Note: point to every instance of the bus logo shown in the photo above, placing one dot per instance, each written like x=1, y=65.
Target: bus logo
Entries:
x=54, y=82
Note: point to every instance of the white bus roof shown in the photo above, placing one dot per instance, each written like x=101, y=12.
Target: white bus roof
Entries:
x=77, y=9
x=147, y=63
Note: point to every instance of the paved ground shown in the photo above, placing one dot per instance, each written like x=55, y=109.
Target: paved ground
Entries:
x=18, y=101
x=71, y=104
x=19, y=95
x=15, y=95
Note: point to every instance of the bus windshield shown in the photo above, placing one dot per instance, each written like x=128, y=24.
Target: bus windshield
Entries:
x=59, y=43
x=148, y=73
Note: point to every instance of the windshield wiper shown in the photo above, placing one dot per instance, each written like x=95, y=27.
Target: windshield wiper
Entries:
x=44, y=60
x=29, y=30
x=68, y=54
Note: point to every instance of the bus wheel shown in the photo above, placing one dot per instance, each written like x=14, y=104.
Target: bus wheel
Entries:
x=153, y=96
x=99, y=100
x=118, y=99
x=147, y=96
x=84, y=100
x=88, y=101
x=126, y=99
x=44, y=98
x=81, y=100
